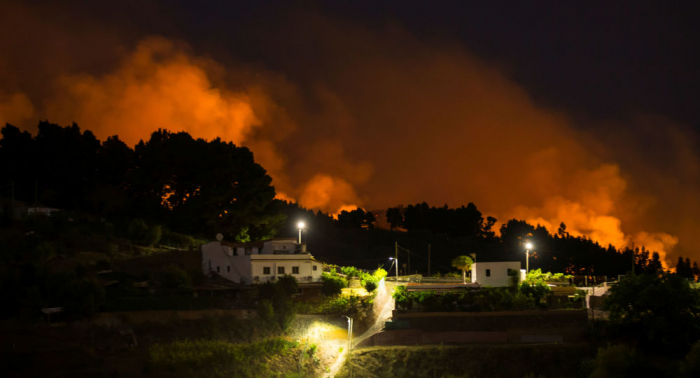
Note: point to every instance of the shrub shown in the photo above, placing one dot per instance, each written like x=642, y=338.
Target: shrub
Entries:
x=137, y=231
x=617, y=361
x=175, y=280
x=332, y=284
x=691, y=364
x=370, y=285
x=661, y=311
x=265, y=311
x=153, y=235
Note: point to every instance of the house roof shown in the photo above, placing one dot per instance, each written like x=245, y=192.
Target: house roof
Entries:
x=258, y=244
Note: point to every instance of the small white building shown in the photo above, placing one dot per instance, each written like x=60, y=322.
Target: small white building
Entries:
x=259, y=262
x=496, y=274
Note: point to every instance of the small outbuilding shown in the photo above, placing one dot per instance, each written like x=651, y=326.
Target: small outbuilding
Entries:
x=496, y=274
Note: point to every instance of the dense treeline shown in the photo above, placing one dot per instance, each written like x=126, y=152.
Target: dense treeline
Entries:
x=190, y=185
x=197, y=187
x=449, y=232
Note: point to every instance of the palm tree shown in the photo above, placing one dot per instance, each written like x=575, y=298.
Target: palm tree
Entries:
x=464, y=263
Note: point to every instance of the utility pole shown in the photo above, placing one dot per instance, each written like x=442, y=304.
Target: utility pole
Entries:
x=396, y=256
x=429, y=260
x=408, y=266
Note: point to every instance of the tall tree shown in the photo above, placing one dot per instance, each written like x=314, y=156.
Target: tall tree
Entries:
x=394, y=217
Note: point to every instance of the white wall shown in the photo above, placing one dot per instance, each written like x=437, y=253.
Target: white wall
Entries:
x=305, y=266
x=242, y=268
x=233, y=267
x=493, y=273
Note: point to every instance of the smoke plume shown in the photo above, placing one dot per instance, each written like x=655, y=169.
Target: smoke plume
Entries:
x=379, y=117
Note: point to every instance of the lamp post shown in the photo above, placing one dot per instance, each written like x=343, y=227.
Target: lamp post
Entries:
x=395, y=261
x=300, y=226
x=528, y=247
x=349, y=333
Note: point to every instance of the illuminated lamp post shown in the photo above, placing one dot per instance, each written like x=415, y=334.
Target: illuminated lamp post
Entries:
x=528, y=247
x=395, y=261
x=349, y=333
x=300, y=226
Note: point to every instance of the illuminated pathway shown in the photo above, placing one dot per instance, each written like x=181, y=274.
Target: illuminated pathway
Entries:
x=378, y=325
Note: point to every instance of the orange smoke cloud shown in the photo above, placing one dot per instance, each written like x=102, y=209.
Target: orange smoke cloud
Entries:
x=156, y=86
x=15, y=108
x=381, y=118
x=327, y=192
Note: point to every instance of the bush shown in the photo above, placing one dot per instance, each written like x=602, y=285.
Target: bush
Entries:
x=370, y=285
x=137, y=231
x=661, y=311
x=265, y=311
x=691, y=364
x=333, y=284
x=618, y=361
x=153, y=235
x=175, y=280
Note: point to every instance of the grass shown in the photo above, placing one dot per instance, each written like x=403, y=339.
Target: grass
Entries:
x=474, y=361
x=271, y=357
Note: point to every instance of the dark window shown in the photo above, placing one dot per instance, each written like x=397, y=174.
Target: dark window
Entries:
x=295, y=270
x=228, y=268
x=266, y=270
x=218, y=270
x=315, y=266
x=509, y=270
x=280, y=270
x=488, y=272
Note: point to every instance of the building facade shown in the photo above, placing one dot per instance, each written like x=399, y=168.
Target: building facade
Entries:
x=496, y=274
x=259, y=262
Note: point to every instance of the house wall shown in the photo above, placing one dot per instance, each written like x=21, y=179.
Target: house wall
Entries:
x=498, y=273
x=235, y=268
x=241, y=268
x=305, y=264
x=283, y=245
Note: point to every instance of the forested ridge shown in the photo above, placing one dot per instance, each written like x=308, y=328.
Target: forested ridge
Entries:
x=200, y=188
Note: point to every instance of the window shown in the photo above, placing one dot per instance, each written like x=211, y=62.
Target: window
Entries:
x=228, y=268
x=218, y=270
x=280, y=270
x=488, y=272
x=266, y=270
x=509, y=270
x=315, y=267
x=295, y=270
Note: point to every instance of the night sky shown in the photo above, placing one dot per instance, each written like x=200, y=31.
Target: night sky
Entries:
x=545, y=111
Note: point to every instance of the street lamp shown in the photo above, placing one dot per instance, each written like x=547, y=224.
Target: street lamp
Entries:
x=349, y=333
x=395, y=261
x=528, y=247
x=300, y=226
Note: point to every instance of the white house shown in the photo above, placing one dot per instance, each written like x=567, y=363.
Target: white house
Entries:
x=495, y=274
x=258, y=262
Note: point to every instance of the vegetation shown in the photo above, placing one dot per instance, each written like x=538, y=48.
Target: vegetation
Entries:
x=528, y=295
x=544, y=360
x=486, y=299
x=660, y=311
x=220, y=358
x=171, y=179
x=463, y=263
x=277, y=296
